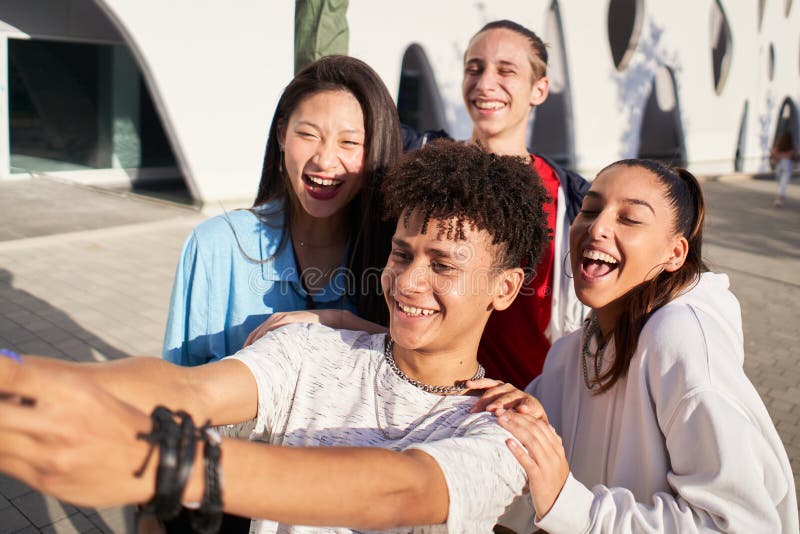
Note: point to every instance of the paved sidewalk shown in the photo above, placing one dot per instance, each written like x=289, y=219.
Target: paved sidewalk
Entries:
x=85, y=275
x=759, y=247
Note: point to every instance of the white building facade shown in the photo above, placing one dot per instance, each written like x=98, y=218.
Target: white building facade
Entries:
x=125, y=90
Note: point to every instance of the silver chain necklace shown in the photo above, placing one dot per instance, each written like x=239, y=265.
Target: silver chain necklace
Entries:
x=592, y=328
x=388, y=357
x=388, y=354
x=408, y=431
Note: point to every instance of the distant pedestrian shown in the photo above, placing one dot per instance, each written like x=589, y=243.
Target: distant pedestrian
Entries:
x=782, y=158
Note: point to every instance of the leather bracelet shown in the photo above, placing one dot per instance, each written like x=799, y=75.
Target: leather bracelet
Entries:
x=165, y=431
x=208, y=518
x=176, y=450
x=186, y=452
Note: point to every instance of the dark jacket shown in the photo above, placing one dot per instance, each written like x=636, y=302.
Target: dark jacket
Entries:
x=575, y=186
x=412, y=139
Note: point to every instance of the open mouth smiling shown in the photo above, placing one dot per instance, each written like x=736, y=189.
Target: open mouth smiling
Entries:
x=413, y=311
x=318, y=181
x=596, y=264
x=322, y=188
x=488, y=105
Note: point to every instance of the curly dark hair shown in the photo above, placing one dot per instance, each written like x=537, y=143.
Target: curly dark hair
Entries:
x=464, y=184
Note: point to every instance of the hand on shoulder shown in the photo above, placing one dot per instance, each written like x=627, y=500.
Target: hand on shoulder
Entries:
x=341, y=319
x=500, y=397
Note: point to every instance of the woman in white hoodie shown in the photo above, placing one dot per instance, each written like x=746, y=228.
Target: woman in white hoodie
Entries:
x=655, y=427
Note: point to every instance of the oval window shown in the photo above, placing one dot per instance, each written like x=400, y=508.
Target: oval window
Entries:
x=721, y=46
x=624, y=28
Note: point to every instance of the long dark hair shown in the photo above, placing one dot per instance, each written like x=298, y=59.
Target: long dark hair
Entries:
x=369, y=235
x=685, y=196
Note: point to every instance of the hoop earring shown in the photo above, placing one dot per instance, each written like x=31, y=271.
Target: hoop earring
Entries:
x=568, y=273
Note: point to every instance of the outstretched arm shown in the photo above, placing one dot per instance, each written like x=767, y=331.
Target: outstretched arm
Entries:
x=224, y=392
x=54, y=446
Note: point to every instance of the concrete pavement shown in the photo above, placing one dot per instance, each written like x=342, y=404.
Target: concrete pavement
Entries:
x=759, y=247
x=85, y=275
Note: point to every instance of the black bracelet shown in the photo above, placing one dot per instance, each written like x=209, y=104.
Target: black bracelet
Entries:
x=176, y=451
x=186, y=451
x=208, y=518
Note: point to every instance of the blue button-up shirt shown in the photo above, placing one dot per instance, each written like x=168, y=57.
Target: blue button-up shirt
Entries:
x=231, y=277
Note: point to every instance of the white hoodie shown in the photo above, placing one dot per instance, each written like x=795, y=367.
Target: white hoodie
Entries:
x=683, y=443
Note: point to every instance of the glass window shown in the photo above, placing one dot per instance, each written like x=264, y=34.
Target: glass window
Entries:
x=721, y=46
x=624, y=28
x=77, y=106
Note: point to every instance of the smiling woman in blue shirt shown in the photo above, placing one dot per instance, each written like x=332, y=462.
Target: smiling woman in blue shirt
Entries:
x=314, y=235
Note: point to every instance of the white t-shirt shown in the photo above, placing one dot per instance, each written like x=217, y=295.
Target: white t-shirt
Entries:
x=320, y=387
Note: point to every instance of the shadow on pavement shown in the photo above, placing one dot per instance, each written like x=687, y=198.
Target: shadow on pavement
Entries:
x=778, y=236
x=31, y=325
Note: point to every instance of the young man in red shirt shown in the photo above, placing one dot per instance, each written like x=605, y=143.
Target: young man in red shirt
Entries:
x=505, y=77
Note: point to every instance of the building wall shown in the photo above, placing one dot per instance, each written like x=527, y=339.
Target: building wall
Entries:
x=608, y=104
x=215, y=73
x=218, y=72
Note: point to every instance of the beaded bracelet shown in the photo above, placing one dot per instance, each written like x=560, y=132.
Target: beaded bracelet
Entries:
x=208, y=518
x=186, y=452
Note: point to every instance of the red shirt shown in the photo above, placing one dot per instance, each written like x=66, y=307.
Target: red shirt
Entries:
x=513, y=346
